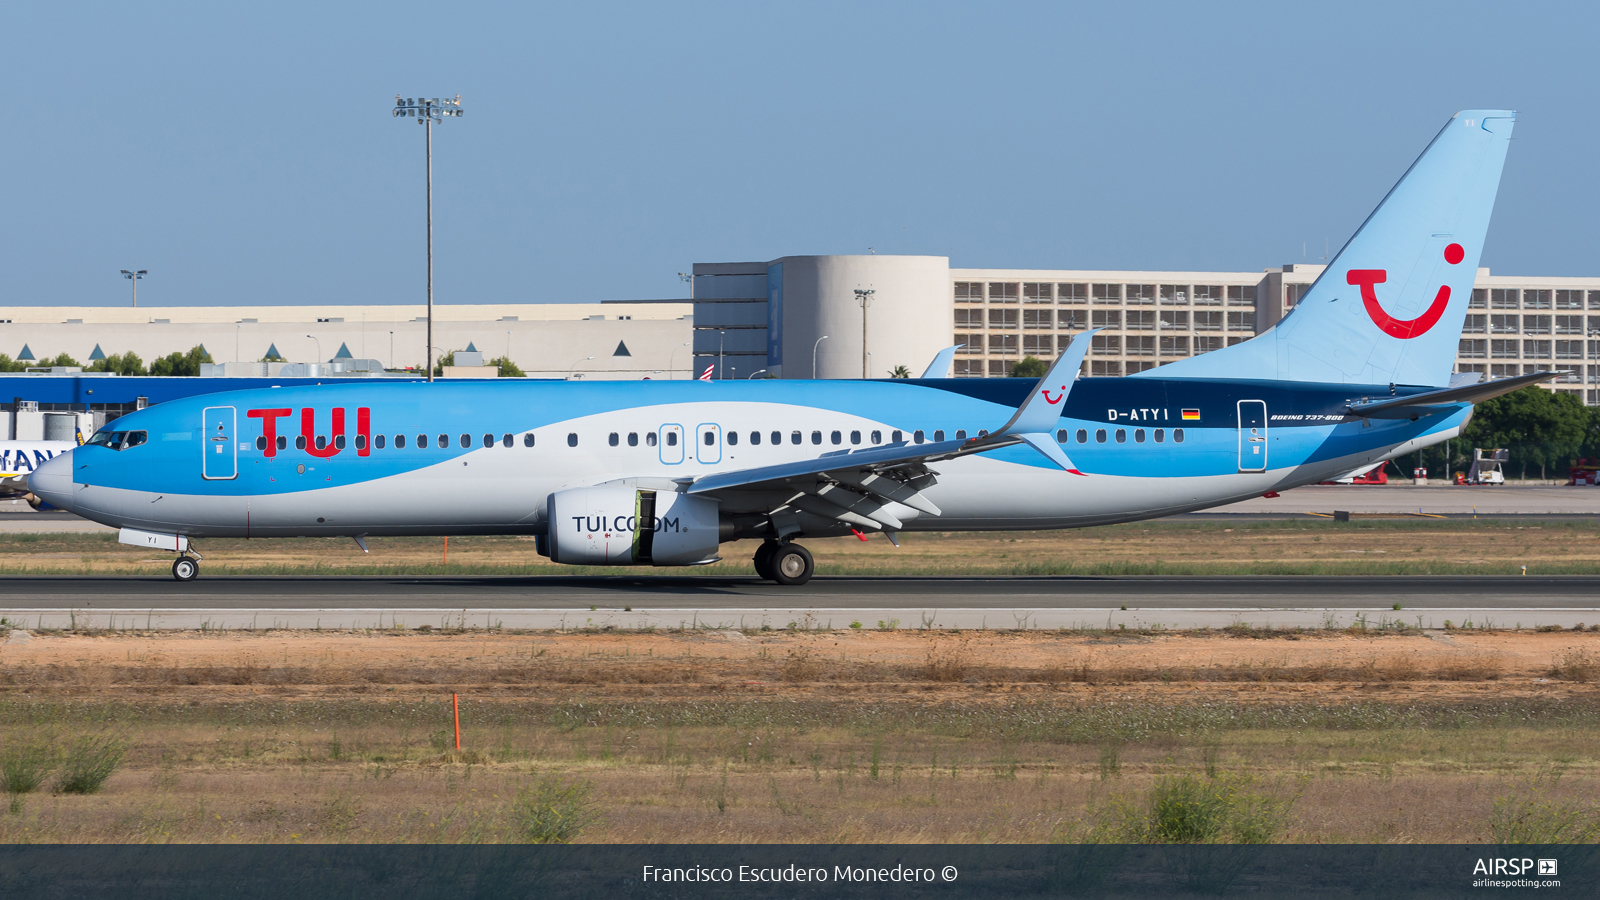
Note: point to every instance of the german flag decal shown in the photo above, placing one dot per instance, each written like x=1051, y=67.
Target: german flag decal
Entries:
x=1191, y=415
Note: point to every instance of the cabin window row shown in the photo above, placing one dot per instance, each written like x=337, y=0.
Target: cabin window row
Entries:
x=1159, y=435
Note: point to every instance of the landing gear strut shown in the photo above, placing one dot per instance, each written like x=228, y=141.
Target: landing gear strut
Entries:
x=785, y=563
x=185, y=568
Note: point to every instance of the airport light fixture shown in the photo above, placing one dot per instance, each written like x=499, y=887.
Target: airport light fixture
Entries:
x=688, y=279
x=428, y=111
x=134, y=275
x=814, y=356
x=864, y=297
x=319, y=347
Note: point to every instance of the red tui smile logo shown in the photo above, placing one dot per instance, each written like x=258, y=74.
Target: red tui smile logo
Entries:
x=1367, y=279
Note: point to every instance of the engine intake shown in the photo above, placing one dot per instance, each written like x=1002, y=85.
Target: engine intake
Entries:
x=621, y=526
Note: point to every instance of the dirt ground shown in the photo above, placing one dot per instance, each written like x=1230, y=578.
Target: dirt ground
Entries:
x=712, y=736
x=1366, y=545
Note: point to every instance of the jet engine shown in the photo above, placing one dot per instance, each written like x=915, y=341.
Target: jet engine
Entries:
x=622, y=526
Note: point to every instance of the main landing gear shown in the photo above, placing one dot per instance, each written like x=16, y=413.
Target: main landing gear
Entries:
x=785, y=563
x=186, y=568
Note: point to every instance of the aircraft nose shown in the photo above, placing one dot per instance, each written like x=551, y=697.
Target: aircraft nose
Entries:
x=52, y=481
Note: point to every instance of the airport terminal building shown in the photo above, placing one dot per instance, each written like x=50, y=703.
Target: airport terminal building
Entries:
x=821, y=317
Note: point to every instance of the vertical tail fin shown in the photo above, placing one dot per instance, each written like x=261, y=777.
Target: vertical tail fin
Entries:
x=1390, y=306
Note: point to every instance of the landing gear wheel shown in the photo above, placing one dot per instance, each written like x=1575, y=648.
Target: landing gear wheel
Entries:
x=185, y=568
x=791, y=565
x=763, y=559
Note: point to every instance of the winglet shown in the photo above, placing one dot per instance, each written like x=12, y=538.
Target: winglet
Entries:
x=1040, y=411
x=940, y=367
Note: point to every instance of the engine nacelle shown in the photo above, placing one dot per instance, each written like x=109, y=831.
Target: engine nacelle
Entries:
x=622, y=526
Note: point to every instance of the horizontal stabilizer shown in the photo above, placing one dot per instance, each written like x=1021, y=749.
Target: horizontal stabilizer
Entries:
x=1443, y=399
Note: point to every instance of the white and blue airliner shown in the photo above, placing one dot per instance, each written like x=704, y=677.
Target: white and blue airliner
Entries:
x=662, y=473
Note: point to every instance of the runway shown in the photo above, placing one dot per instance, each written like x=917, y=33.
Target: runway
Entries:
x=653, y=601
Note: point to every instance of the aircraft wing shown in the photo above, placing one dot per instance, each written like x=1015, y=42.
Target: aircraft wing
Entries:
x=1430, y=402
x=857, y=486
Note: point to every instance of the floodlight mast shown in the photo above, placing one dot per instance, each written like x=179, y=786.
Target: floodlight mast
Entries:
x=134, y=275
x=427, y=111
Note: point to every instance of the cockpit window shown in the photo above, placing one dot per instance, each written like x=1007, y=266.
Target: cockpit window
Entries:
x=118, y=440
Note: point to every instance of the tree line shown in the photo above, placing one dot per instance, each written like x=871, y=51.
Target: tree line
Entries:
x=173, y=364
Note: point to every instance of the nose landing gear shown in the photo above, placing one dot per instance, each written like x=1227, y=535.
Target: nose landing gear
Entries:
x=785, y=563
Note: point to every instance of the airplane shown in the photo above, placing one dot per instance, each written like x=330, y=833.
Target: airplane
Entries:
x=662, y=473
x=18, y=460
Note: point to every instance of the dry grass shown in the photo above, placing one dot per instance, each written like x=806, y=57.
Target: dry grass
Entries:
x=714, y=737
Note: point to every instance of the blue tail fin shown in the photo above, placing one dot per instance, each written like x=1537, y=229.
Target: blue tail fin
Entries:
x=1389, y=308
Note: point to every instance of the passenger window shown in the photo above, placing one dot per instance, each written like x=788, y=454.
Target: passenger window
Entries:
x=300, y=442
x=338, y=442
x=399, y=442
x=777, y=437
x=422, y=442
x=794, y=437
x=361, y=442
x=1061, y=436
x=672, y=439
x=488, y=441
x=733, y=438
x=613, y=439
x=1138, y=435
x=466, y=441
x=755, y=437
x=961, y=434
x=261, y=442
x=381, y=441
x=916, y=436
x=855, y=437
x=633, y=439
x=816, y=437
x=1100, y=436
x=506, y=441
x=527, y=439
x=283, y=442
x=895, y=438
x=835, y=437
x=650, y=439
x=444, y=442
x=1161, y=435
x=322, y=442
x=877, y=437
x=572, y=439
x=711, y=438
x=1083, y=435
x=1122, y=435
x=1177, y=435
x=938, y=435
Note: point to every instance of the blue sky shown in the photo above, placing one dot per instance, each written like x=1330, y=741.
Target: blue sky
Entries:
x=245, y=154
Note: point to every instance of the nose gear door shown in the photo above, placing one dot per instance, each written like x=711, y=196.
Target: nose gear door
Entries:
x=220, y=460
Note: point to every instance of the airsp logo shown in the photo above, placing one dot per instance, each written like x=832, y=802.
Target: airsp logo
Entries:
x=1497, y=866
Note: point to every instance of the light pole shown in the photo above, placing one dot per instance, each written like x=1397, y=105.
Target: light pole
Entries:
x=814, y=356
x=689, y=278
x=391, y=349
x=720, y=336
x=865, y=297
x=319, y=348
x=754, y=374
x=134, y=276
x=574, y=366
x=672, y=358
x=428, y=111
